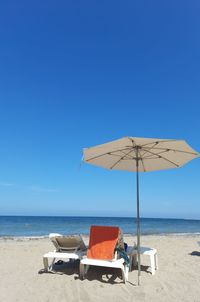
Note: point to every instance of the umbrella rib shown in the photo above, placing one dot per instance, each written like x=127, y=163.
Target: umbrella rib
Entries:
x=158, y=142
x=127, y=148
x=159, y=156
x=164, y=141
x=151, y=147
x=119, y=155
x=120, y=160
x=129, y=157
x=168, y=149
x=149, y=156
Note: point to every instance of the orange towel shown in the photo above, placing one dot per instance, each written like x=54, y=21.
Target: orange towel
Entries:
x=103, y=240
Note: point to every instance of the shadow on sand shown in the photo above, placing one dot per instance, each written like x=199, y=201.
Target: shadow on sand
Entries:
x=195, y=253
x=103, y=274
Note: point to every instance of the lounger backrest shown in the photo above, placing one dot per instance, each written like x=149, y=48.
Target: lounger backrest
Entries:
x=102, y=242
x=68, y=243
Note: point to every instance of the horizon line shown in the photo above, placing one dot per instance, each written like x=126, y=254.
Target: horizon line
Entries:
x=96, y=216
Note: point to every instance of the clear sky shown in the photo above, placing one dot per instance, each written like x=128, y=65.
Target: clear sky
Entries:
x=75, y=74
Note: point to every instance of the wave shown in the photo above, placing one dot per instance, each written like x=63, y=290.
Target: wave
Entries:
x=28, y=238
x=23, y=238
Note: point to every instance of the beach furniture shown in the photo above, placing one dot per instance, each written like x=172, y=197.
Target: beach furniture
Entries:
x=146, y=251
x=106, y=249
x=67, y=247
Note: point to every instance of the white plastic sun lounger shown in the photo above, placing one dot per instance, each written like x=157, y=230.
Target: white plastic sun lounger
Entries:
x=67, y=247
x=114, y=263
x=102, y=238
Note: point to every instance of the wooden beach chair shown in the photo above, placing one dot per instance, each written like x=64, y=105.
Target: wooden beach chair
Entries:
x=67, y=247
x=102, y=250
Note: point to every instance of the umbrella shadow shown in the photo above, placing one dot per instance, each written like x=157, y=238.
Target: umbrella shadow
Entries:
x=195, y=253
x=143, y=268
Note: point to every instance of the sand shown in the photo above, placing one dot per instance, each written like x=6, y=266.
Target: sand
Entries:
x=178, y=277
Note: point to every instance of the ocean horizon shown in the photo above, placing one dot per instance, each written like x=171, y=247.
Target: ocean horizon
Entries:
x=41, y=226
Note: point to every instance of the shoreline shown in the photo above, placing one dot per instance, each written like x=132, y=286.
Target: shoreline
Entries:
x=31, y=238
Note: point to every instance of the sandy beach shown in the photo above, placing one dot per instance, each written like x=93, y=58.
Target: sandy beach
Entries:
x=178, y=277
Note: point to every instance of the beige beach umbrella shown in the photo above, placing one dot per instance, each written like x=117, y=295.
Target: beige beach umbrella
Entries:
x=140, y=155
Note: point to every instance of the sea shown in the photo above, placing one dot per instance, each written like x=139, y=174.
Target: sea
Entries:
x=41, y=226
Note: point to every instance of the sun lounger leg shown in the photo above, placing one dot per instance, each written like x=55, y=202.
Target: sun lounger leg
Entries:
x=152, y=260
x=134, y=261
x=52, y=263
x=156, y=261
x=123, y=274
x=130, y=263
x=46, y=265
x=126, y=271
x=82, y=270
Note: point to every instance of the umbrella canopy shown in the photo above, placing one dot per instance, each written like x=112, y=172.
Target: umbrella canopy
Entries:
x=151, y=154
x=140, y=155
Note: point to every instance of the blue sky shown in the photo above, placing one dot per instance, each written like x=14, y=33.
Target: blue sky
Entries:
x=74, y=74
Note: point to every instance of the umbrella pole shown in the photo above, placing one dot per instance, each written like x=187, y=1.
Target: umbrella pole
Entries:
x=138, y=220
